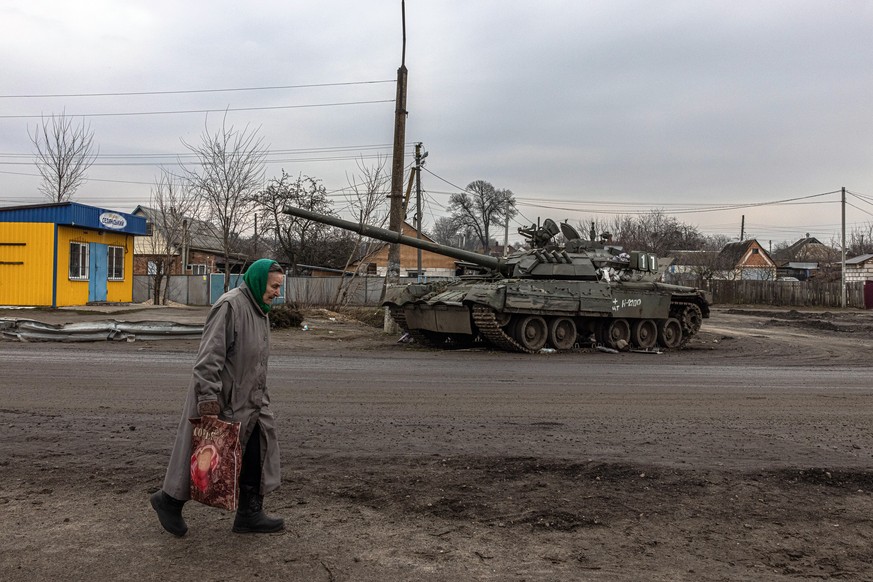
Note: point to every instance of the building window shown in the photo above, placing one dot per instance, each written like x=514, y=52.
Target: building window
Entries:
x=116, y=263
x=198, y=269
x=79, y=261
x=754, y=251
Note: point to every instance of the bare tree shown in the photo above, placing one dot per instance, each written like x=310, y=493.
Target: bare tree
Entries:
x=63, y=154
x=296, y=237
x=175, y=208
x=366, y=198
x=654, y=232
x=445, y=231
x=860, y=240
x=481, y=207
x=229, y=173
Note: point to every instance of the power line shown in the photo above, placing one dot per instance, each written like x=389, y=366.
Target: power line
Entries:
x=192, y=91
x=186, y=111
x=88, y=179
x=681, y=208
x=191, y=155
x=444, y=180
x=612, y=207
x=865, y=199
x=187, y=160
x=194, y=162
x=859, y=208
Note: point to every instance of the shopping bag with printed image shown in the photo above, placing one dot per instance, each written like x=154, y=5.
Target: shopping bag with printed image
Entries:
x=215, y=462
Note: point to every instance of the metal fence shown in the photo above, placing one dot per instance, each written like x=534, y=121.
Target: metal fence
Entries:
x=187, y=289
x=305, y=291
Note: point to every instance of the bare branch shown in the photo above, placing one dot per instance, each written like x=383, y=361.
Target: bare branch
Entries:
x=230, y=171
x=63, y=154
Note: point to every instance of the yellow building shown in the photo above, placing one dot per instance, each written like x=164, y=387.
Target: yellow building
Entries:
x=66, y=254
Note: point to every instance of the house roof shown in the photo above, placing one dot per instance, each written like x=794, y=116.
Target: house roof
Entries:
x=860, y=259
x=808, y=249
x=75, y=214
x=202, y=236
x=692, y=258
x=406, y=229
x=732, y=253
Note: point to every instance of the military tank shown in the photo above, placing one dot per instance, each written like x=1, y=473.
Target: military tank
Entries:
x=579, y=292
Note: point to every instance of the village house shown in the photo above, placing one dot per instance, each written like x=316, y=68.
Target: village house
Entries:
x=859, y=268
x=692, y=268
x=432, y=264
x=745, y=260
x=197, y=245
x=804, y=258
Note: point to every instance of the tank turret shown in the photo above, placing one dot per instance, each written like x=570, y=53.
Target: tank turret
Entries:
x=580, y=293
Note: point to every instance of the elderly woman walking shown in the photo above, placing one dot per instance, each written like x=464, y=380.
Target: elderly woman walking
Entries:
x=230, y=381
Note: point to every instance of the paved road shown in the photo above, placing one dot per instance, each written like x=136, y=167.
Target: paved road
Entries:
x=634, y=408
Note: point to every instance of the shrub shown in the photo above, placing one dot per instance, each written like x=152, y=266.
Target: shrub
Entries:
x=285, y=316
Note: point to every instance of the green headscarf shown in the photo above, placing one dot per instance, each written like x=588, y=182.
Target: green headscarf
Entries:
x=256, y=280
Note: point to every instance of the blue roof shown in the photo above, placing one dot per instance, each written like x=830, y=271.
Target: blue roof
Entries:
x=75, y=214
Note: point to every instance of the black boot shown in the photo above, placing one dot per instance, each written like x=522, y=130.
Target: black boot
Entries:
x=169, y=512
x=250, y=517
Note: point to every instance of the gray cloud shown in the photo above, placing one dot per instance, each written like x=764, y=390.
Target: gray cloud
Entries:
x=637, y=102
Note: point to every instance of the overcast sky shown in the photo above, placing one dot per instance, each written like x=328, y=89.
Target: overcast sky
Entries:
x=581, y=108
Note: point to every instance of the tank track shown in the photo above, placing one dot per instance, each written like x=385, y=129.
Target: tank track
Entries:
x=690, y=321
x=399, y=317
x=486, y=323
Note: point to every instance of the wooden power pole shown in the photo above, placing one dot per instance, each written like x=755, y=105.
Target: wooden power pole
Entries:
x=843, y=251
x=395, y=215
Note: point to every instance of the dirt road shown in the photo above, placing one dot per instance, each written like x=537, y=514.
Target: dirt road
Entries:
x=748, y=456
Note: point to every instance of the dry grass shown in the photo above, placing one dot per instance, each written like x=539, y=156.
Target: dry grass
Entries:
x=372, y=316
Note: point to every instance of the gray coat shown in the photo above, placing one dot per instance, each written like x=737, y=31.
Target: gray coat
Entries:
x=231, y=367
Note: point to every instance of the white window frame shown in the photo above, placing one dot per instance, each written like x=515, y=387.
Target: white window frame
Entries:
x=197, y=268
x=114, y=250
x=83, y=252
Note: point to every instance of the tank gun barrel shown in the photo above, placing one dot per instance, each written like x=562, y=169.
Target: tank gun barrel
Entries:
x=394, y=237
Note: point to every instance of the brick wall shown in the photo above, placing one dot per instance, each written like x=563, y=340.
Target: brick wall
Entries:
x=862, y=272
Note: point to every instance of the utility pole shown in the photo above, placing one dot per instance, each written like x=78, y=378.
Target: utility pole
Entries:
x=255, y=250
x=506, y=232
x=395, y=214
x=743, y=228
x=843, y=245
x=184, y=246
x=418, y=162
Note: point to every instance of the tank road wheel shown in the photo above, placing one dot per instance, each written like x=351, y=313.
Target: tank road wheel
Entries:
x=616, y=333
x=691, y=318
x=531, y=332
x=670, y=333
x=502, y=318
x=645, y=334
x=562, y=333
